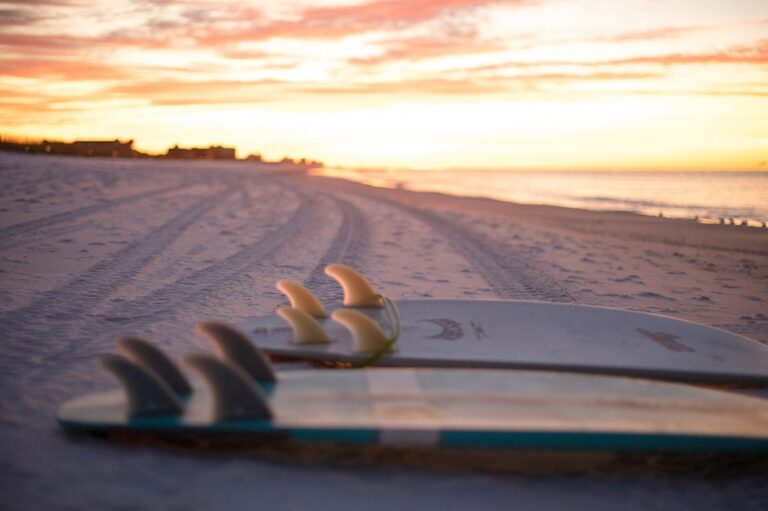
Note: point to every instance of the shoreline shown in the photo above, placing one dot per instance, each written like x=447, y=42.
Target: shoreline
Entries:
x=752, y=240
x=409, y=181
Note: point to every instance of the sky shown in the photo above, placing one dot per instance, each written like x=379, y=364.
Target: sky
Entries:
x=597, y=84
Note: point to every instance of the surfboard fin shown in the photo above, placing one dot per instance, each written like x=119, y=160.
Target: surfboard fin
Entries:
x=235, y=395
x=232, y=346
x=367, y=335
x=145, y=353
x=301, y=298
x=358, y=292
x=148, y=395
x=306, y=329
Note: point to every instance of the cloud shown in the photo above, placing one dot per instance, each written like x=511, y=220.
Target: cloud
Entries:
x=177, y=92
x=43, y=3
x=59, y=69
x=340, y=21
x=753, y=54
x=387, y=11
x=419, y=48
x=758, y=93
x=15, y=17
x=50, y=45
x=650, y=34
x=211, y=25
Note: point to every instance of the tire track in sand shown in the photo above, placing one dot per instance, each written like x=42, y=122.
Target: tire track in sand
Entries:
x=33, y=324
x=345, y=247
x=504, y=269
x=168, y=300
x=33, y=227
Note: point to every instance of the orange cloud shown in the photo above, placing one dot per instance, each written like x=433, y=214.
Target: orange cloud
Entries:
x=425, y=48
x=756, y=54
x=26, y=44
x=388, y=11
x=177, y=92
x=341, y=21
x=651, y=34
x=59, y=69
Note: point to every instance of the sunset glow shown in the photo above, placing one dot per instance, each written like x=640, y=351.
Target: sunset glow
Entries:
x=392, y=83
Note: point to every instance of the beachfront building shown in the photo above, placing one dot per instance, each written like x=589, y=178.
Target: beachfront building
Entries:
x=104, y=148
x=201, y=153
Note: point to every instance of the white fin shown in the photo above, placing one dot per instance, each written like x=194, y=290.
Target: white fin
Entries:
x=367, y=335
x=148, y=395
x=306, y=329
x=358, y=292
x=145, y=353
x=235, y=395
x=301, y=298
x=233, y=346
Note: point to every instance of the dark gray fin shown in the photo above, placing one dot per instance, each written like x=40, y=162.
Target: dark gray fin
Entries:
x=148, y=394
x=233, y=346
x=235, y=395
x=146, y=353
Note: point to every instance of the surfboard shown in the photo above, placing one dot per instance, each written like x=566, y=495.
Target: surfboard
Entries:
x=456, y=408
x=533, y=335
x=243, y=395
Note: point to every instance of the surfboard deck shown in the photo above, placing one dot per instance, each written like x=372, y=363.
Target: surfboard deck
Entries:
x=465, y=408
x=539, y=335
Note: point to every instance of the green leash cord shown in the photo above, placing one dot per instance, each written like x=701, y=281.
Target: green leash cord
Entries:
x=393, y=320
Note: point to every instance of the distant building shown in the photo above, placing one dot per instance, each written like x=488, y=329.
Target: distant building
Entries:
x=256, y=158
x=177, y=153
x=221, y=153
x=201, y=153
x=104, y=148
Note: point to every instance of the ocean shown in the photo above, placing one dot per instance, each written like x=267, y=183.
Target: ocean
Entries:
x=707, y=196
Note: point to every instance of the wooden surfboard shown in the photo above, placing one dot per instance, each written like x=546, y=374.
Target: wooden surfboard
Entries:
x=537, y=335
x=461, y=408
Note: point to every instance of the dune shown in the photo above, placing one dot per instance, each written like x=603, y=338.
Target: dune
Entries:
x=91, y=249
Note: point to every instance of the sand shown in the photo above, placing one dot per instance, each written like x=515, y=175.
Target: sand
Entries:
x=91, y=249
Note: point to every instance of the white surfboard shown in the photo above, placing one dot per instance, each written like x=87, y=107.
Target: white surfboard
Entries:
x=535, y=335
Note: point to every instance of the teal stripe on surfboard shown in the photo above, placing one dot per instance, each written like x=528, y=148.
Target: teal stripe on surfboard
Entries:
x=602, y=441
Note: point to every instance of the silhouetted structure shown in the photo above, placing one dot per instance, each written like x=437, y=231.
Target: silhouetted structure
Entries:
x=104, y=148
x=201, y=153
x=117, y=149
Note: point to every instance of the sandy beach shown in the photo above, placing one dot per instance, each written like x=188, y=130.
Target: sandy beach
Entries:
x=95, y=248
